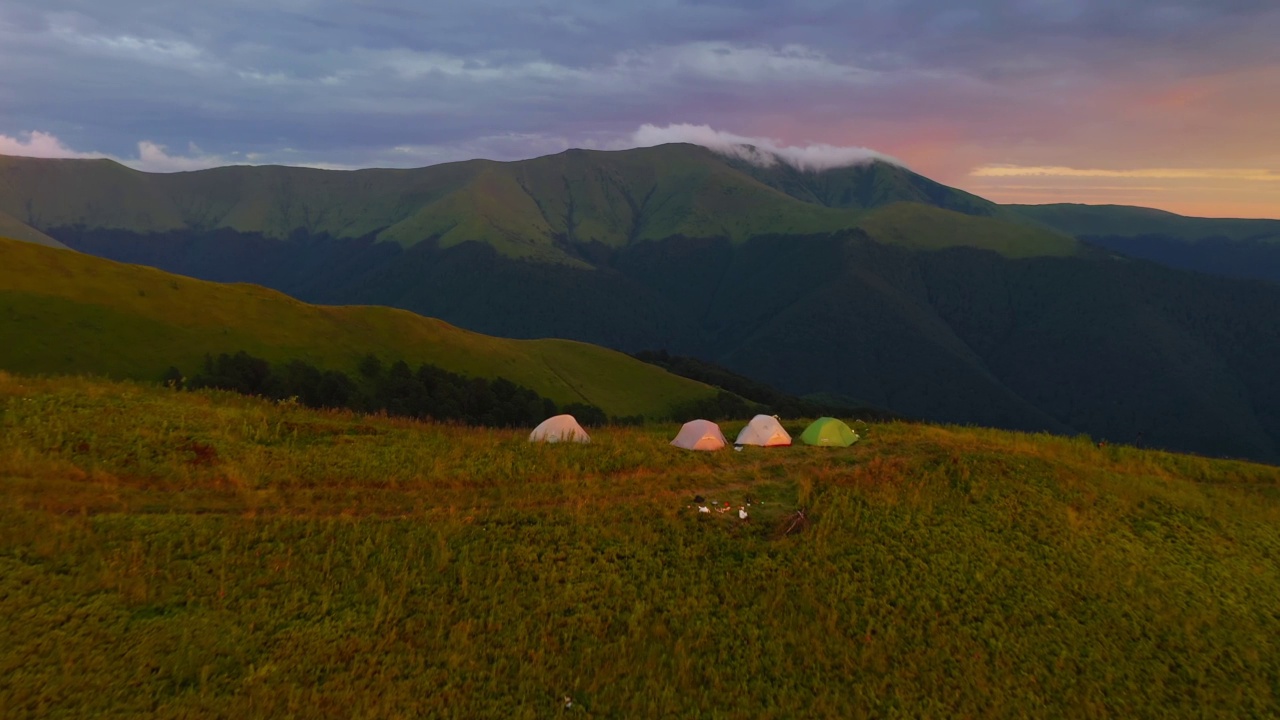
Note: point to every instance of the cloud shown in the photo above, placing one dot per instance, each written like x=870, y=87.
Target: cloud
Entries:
x=504, y=147
x=1248, y=174
x=40, y=144
x=152, y=157
x=408, y=65
x=167, y=53
x=157, y=158
x=764, y=152
x=739, y=63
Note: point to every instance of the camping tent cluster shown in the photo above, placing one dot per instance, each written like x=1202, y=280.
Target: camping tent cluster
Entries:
x=763, y=430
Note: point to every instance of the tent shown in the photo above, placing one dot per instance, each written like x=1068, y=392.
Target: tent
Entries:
x=830, y=432
x=765, y=431
x=561, y=428
x=699, y=435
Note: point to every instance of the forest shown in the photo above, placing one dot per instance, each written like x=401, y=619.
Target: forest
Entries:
x=428, y=393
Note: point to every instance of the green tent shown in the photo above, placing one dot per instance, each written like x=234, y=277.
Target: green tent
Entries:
x=829, y=432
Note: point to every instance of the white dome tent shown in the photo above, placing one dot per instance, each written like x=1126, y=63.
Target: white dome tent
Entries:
x=561, y=428
x=700, y=435
x=765, y=431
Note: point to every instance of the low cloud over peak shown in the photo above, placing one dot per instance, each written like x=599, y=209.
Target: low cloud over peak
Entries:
x=41, y=145
x=761, y=151
x=151, y=157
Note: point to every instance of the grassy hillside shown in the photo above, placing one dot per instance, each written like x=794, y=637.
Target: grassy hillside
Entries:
x=1127, y=221
x=922, y=227
x=11, y=227
x=64, y=312
x=171, y=554
x=1240, y=248
x=520, y=208
x=46, y=193
x=545, y=209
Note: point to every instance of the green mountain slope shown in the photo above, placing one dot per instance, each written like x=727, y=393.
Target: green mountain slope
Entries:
x=47, y=193
x=64, y=312
x=546, y=209
x=1125, y=220
x=1233, y=247
x=924, y=227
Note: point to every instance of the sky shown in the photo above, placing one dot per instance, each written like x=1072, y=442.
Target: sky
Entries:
x=1172, y=104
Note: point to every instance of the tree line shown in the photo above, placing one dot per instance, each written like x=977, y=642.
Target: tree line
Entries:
x=429, y=392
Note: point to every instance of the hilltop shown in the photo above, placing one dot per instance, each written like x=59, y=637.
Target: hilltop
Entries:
x=65, y=312
x=209, y=554
x=1231, y=247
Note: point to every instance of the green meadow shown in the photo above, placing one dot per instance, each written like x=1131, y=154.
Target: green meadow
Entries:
x=64, y=312
x=170, y=554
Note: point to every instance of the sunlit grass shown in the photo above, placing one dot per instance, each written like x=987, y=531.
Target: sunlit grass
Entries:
x=76, y=313
x=187, y=554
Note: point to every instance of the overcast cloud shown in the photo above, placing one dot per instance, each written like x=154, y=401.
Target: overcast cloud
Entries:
x=947, y=88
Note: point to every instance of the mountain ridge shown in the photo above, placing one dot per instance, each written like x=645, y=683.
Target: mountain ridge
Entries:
x=526, y=209
x=1230, y=247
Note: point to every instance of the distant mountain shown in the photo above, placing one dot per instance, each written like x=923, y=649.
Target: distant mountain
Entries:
x=1221, y=246
x=66, y=312
x=553, y=208
x=871, y=283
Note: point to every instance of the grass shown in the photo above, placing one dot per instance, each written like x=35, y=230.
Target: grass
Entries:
x=922, y=227
x=75, y=313
x=1124, y=220
x=189, y=554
